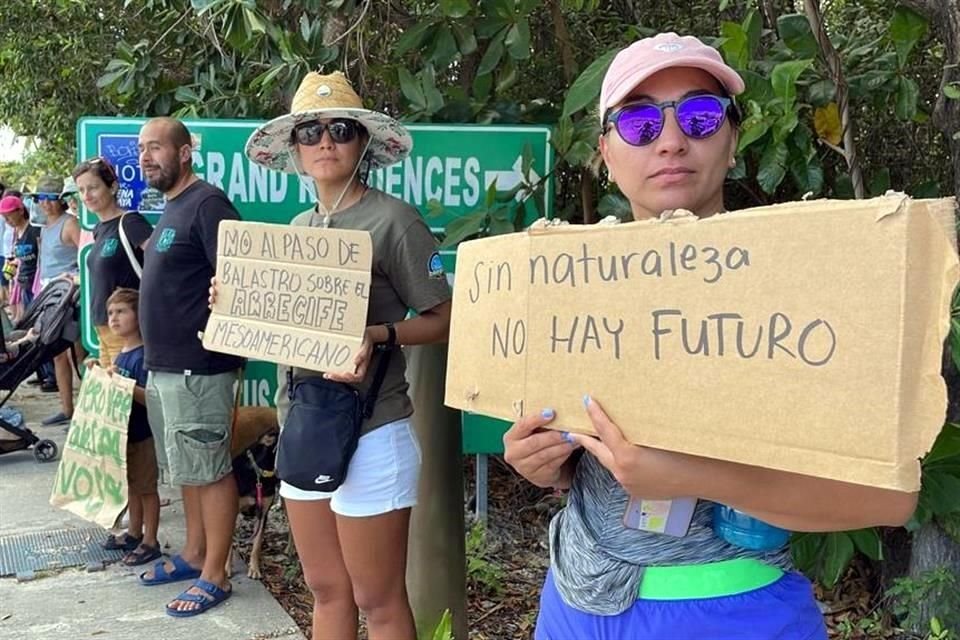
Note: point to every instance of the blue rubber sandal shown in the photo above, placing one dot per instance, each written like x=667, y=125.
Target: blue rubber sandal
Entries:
x=181, y=571
x=214, y=596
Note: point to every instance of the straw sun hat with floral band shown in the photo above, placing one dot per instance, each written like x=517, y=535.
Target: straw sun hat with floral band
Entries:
x=327, y=96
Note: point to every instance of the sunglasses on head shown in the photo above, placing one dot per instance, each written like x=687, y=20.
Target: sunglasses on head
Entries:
x=640, y=123
x=342, y=130
x=100, y=160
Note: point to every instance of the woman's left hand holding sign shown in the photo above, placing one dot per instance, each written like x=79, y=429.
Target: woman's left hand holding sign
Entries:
x=643, y=472
x=360, y=363
x=213, y=292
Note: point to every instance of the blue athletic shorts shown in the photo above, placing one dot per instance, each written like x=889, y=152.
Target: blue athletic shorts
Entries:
x=784, y=610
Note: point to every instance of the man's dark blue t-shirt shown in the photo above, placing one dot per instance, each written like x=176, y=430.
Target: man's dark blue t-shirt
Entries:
x=178, y=262
x=130, y=365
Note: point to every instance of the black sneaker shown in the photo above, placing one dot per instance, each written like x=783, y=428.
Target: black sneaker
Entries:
x=49, y=387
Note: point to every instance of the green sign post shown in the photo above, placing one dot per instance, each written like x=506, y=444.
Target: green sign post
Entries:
x=451, y=164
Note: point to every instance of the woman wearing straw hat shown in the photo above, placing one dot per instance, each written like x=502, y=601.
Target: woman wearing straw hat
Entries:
x=352, y=542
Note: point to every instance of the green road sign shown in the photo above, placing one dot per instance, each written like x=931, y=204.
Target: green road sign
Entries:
x=451, y=164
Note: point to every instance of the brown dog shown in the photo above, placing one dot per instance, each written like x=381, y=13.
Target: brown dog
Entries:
x=254, y=449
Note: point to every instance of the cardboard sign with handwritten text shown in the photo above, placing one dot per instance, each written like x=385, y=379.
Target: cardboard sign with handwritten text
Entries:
x=91, y=481
x=292, y=295
x=804, y=337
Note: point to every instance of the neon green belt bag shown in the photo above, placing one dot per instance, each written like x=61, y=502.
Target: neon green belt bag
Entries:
x=710, y=580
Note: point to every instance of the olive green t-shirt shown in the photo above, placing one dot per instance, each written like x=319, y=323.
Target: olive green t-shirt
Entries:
x=405, y=276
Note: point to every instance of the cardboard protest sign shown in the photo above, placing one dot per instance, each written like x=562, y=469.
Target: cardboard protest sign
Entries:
x=292, y=295
x=92, y=479
x=804, y=337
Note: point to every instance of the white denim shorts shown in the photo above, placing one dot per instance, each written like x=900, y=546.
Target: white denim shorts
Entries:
x=382, y=476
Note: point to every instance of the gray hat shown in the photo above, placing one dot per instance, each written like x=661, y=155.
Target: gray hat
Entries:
x=50, y=184
x=69, y=187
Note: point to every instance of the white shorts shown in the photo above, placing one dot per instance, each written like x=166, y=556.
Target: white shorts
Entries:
x=382, y=476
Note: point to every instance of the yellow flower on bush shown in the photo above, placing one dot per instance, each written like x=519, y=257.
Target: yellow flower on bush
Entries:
x=826, y=121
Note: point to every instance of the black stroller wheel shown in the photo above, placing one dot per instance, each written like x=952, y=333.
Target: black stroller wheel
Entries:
x=45, y=450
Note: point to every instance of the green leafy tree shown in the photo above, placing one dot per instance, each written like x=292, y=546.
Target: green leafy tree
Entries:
x=51, y=54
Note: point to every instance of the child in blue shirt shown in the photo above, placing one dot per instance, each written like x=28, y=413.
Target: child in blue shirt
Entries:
x=140, y=538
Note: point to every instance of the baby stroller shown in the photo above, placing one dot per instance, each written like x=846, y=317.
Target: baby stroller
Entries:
x=53, y=314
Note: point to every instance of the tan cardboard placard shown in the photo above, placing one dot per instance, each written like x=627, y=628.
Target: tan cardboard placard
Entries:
x=91, y=481
x=293, y=295
x=804, y=337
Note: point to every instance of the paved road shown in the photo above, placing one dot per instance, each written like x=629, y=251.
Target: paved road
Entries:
x=110, y=604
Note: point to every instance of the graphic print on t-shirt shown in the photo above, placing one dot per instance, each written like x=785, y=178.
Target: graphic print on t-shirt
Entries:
x=435, y=266
x=109, y=248
x=165, y=241
x=24, y=251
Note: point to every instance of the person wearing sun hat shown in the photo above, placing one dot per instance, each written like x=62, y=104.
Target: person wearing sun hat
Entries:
x=61, y=232
x=352, y=541
x=69, y=194
x=47, y=191
x=330, y=96
x=59, y=239
x=668, y=137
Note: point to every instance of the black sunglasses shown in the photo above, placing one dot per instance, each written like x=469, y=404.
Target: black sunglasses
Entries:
x=698, y=116
x=342, y=130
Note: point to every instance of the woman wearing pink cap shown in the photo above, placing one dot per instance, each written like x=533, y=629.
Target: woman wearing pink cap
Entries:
x=669, y=135
x=26, y=250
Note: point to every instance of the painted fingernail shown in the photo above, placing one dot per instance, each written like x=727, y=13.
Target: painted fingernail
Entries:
x=586, y=400
x=567, y=437
x=547, y=413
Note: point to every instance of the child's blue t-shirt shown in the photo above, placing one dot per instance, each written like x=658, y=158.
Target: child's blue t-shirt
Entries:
x=130, y=365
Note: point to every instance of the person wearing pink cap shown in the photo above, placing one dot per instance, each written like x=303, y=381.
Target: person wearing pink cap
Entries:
x=668, y=138
x=6, y=251
x=26, y=251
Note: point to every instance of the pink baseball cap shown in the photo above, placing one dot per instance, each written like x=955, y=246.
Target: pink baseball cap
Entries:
x=645, y=57
x=9, y=204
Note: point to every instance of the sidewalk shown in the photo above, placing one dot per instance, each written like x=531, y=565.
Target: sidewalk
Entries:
x=109, y=604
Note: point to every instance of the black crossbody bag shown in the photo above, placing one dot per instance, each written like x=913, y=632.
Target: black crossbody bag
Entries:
x=323, y=426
